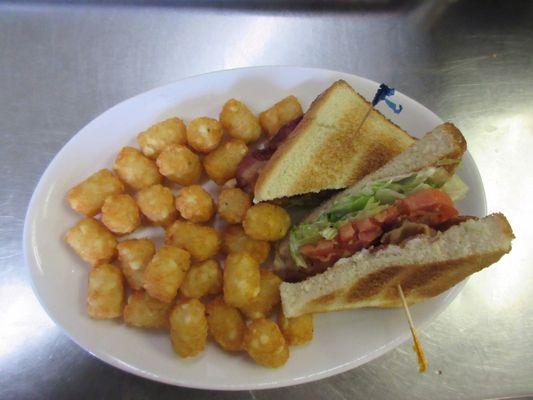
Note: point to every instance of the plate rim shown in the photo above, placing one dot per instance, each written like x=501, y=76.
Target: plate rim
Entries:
x=29, y=260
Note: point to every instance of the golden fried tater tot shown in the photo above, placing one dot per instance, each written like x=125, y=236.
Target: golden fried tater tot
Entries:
x=188, y=328
x=236, y=241
x=241, y=279
x=226, y=324
x=88, y=196
x=202, y=242
x=134, y=255
x=265, y=221
x=262, y=304
x=239, y=121
x=156, y=138
x=264, y=342
x=92, y=241
x=120, y=214
x=233, y=204
x=221, y=164
x=195, y=204
x=165, y=272
x=279, y=114
x=136, y=170
x=179, y=164
x=298, y=330
x=202, y=279
x=204, y=134
x=105, y=296
x=157, y=204
x=144, y=311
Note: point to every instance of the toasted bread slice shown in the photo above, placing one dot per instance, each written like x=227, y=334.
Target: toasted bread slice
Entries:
x=340, y=139
x=424, y=267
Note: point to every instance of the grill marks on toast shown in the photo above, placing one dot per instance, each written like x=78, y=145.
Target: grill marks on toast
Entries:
x=379, y=289
x=327, y=299
x=373, y=284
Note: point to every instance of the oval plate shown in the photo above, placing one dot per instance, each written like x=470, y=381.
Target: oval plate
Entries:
x=343, y=340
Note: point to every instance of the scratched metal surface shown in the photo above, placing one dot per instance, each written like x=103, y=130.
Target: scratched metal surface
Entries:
x=471, y=62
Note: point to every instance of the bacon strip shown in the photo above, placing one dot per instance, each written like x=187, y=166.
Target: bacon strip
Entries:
x=252, y=164
x=406, y=231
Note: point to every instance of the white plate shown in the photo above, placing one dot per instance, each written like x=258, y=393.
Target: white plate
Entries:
x=342, y=340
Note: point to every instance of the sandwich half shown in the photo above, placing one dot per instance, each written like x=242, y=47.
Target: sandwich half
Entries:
x=339, y=140
x=398, y=225
x=424, y=267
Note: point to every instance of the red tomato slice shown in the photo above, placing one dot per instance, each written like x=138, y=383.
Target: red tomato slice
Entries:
x=347, y=232
x=428, y=200
x=325, y=246
x=365, y=224
x=369, y=236
x=429, y=206
x=308, y=250
x=352, y=247
x=388, y=215
x=320, y=249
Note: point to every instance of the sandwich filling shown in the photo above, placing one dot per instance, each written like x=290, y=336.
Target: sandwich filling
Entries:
x=384, y=212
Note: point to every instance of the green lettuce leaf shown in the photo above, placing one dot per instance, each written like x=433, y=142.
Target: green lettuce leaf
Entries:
x=455, y=188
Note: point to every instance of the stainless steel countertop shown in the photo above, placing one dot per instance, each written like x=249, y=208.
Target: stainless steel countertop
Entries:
x=469, y=61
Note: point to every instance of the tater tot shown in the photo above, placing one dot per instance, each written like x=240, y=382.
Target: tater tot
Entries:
x=156, y=138
x=226, y=324
x=188, y=328
x=264, y=342
x=236, y=241
x=92, y=241
x=204, y=134
x=195, y=204
x=239, y=122
x=298, y=330
x=136, y=170
x=105, y=296
x=262, y=304
x=233, y=204
x=179, y=164
x=165, y=272
x=144, y=311
x=241, y=279
x=265, y=221
x=157, y=204
x=202, y=242
x=221, y=164
x=134, y=255
x=202, y=279
x=87, y=197
x=120, y=214
x=279, y=114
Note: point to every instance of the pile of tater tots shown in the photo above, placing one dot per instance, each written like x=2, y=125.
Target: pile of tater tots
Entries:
x=202, y=282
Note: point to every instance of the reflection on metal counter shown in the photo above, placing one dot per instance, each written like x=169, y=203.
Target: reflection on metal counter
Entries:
x=61, y=64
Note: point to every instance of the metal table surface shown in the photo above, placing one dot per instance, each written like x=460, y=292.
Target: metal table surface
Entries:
x=471, y=62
